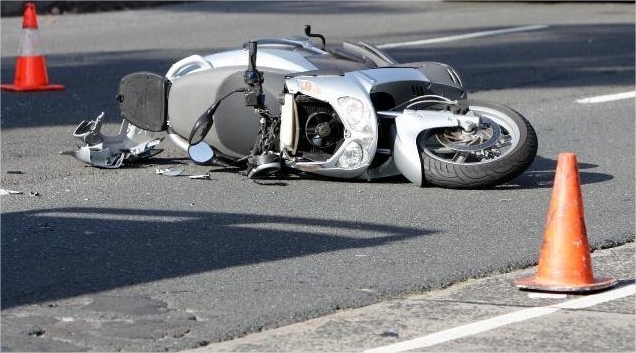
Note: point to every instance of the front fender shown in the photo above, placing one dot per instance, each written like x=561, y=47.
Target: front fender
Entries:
x=408, y=126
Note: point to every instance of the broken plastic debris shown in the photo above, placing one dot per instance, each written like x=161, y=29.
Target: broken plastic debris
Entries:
x=10, y=192
x=16, y=192
x=170, y=171
x=104, y=158
x=109, y=151
x=200, y=176
x=144, y=147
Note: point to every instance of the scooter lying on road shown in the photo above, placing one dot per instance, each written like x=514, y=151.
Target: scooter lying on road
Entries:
x=350, y=111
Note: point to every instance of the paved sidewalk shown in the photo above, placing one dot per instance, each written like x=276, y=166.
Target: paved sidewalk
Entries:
x=608, y=326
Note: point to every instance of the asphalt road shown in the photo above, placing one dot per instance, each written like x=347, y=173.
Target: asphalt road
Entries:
x=480, y=315
x=126, y=259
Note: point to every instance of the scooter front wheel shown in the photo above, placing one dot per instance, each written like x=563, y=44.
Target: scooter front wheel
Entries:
x=498, y=150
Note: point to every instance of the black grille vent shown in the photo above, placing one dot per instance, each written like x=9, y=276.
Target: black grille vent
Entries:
x=418, y=90
x=305, y=109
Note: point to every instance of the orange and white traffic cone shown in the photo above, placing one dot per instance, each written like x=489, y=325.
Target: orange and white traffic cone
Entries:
x=30, y=71
x=565, y=264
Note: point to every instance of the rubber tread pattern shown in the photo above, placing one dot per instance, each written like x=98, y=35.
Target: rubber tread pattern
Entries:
x=485, y=175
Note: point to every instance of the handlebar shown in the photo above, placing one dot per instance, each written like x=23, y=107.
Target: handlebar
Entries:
x=253, y=49
x=254, y=96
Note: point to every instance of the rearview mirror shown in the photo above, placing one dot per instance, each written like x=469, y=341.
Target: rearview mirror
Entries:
x=201, y=153
x=202, y=126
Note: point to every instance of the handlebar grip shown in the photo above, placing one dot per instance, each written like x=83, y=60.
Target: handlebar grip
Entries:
x=252, y=51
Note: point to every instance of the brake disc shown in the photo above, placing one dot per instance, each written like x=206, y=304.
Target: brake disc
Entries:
x=459, y=140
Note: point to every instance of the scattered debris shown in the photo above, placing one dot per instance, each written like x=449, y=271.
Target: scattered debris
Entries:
x=171, y=171
x=15, y=192
x=10, y=192
x=110, y=151
x=200, y=176
x=175, y=171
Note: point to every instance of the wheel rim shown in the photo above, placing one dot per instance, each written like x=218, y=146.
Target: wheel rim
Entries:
x=497, y=136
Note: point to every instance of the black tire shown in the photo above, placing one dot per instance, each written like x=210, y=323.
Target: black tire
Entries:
x=447, y=163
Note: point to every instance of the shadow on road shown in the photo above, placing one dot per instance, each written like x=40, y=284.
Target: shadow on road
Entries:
x=57, y=253
x=541, y=175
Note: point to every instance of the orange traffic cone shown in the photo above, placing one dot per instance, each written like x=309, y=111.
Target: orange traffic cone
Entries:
x=30, y=71
x=565, y=264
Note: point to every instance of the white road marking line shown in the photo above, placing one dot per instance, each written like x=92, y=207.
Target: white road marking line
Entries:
x=608, y=98
x=503, y=320
x=461, y=36
x=595, y=299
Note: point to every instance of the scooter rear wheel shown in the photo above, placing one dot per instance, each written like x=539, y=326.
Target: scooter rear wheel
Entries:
x=498, y=150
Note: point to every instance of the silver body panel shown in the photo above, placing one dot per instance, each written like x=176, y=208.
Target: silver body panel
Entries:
x=208, y=73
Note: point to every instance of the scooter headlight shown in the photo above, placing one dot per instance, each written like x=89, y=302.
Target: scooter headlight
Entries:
x=361, y=132
x=352, y=156
x=355, y=113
